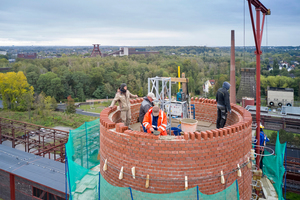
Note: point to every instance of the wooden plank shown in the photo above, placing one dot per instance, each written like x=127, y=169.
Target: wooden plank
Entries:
x=182, y=80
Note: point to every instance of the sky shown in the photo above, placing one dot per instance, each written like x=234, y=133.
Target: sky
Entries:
x=144, y=23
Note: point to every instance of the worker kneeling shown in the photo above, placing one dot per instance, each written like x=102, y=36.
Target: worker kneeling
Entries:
x=155, y=120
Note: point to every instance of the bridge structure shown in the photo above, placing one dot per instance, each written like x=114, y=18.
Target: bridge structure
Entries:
x=287, y=121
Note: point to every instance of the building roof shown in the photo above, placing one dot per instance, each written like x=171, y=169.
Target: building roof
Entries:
x=37, y=169
x=281, y=89
x=289, y=110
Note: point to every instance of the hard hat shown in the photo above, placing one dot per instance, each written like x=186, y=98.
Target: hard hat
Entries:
x=261, y=126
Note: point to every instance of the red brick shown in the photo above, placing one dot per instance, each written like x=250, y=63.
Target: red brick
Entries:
x=204, y=135
x=169, y=160
x=186, y=135
x=192, y=135
x=209, y=134
x=198, y=135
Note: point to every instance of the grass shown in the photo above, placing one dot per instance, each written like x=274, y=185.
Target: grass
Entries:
x=268, y=132
x=292, y=196
x=96, y=107
x=48, y=118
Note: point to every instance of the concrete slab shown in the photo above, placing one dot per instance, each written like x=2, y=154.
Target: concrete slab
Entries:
x=268, y=189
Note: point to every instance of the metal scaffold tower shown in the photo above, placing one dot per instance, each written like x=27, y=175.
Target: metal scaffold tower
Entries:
x=161, y=87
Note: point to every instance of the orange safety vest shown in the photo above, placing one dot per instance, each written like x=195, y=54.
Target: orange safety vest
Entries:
x=161, y=122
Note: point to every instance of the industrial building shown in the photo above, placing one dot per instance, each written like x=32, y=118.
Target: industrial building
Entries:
x=123, y=51
x=27, y=55
x=27, y=176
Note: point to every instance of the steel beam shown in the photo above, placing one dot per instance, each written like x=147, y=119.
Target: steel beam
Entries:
x=12, y=186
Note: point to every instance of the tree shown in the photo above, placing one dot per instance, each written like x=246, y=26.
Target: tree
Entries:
x=50, y=84
x=71, y=108
x=99, y=92
x=276, y=70
x=12, y=87
x=26, y=102
x=40, y=104
x=32, y=78
x=191, y=85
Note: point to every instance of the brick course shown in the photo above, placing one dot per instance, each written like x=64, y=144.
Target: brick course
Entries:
x=200, y=156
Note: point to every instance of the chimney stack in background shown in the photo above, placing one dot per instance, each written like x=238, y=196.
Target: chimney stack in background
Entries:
x=232, y=70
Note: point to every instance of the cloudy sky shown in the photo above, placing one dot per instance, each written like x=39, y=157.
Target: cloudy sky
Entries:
x=143, y=22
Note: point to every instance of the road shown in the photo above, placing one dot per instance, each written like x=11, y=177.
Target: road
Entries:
x=78, y=111
x=62, y=107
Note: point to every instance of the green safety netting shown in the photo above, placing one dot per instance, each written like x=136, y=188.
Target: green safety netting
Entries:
x=273, y=166
x=85, y=181
x=82, y=151
x=110, y=192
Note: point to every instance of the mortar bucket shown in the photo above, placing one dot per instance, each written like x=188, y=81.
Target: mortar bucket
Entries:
x=189, y=125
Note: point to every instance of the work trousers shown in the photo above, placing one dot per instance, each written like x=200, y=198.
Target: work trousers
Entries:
x=126, y=117
x=222, y=117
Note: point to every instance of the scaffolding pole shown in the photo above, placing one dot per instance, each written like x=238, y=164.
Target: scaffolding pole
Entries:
x=161, y=87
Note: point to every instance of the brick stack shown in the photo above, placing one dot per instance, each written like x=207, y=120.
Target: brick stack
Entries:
x=200, y=156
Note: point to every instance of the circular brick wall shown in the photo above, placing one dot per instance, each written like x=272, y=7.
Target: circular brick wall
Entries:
x=199, y=156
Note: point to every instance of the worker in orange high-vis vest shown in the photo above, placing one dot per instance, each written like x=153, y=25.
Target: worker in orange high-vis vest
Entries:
x=155, y=119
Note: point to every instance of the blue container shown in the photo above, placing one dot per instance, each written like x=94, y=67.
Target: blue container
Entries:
x=179, y=96
x=176, y=131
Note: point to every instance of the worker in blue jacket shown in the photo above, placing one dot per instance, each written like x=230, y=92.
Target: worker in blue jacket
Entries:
x=262, y=140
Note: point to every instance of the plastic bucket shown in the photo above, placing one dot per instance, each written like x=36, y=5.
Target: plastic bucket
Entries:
x=176, y=131
x=189, y=125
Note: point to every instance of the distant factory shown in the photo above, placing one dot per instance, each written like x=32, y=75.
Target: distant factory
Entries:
x=123, y=51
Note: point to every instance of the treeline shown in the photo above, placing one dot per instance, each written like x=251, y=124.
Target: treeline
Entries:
x=292, y=139
x=98, y=77
x=85, y=78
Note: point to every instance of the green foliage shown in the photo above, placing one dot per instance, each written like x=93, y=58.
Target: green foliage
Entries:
x=13, y=86
x=106, y=103
x=99, y=78
x=71, y=108
x=290, y=138
x=292, y=196
x=3, y=57
x=50, y=84
x=53, y=118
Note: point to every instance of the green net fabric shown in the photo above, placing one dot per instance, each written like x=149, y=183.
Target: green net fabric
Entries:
x=82, y=151
x=273, y=166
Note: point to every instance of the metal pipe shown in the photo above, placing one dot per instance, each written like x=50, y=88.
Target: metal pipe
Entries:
x=178, y=77
x=13, y=135
x=262, y=28
x=0, y=132
x=252, y=22
x=258, y=52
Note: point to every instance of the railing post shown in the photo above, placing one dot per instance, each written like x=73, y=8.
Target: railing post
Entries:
x=197, y=188
x=13, y=135
x=130, y=193
x=54, y=145
x=99, y=186
x=12, y=186
x=87, y=150
x=26, y=137
x=0, y=131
